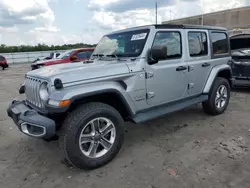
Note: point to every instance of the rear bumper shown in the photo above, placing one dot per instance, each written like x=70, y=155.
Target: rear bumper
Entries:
x=30, y=122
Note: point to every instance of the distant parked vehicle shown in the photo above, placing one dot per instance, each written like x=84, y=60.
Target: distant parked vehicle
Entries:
x=52, y=55
x=40, y=58
x=3, y=62
x=70, y=56
x=240, y=51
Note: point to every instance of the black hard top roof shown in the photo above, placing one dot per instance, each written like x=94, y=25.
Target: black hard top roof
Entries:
x=172, y=26
x=187, y=26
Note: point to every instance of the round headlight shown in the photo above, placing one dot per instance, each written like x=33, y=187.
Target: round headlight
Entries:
x=43, y=92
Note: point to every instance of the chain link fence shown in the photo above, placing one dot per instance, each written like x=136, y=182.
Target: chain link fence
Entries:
x=26, y=57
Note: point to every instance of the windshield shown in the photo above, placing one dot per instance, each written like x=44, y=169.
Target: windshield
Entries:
x=65, y=54
x=126, y=44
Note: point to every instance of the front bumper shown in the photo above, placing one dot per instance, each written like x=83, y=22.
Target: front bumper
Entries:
x=36, y=66
x=30, y=122
x=241, y=81
x=4, y=65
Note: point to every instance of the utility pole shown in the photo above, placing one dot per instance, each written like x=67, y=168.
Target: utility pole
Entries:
x=155, y=12
x=170, y=14
x=202, y=17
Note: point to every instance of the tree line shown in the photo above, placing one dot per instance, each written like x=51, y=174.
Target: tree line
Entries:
x=42, y=47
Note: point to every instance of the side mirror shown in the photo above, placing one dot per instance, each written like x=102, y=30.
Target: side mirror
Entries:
x=157, y=53
x=73, y=58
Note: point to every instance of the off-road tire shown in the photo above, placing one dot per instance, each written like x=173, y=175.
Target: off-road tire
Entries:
x=209, y=105
x=72, y=126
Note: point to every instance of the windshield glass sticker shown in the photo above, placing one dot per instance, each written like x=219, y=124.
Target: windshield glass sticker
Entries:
x=139, y=36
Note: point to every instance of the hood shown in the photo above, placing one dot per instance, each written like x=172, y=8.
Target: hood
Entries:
x=46, y=61
x=72, y=72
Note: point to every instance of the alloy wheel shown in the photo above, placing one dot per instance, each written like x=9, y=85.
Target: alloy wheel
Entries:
x=221, y=97
x=97, y=137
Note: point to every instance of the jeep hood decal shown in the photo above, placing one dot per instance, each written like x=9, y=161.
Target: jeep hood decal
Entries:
x=72, y=72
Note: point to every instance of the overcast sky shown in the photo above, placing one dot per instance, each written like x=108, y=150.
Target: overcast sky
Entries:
x=71, y=21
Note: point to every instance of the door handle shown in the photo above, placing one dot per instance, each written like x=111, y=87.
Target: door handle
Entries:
x=205, y=65
x=181, y=68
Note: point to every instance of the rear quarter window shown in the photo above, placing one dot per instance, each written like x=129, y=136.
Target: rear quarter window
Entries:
x=220, y=43
x=2, y=58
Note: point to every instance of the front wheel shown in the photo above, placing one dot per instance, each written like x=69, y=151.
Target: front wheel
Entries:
x=218, y=98
x=92, y=135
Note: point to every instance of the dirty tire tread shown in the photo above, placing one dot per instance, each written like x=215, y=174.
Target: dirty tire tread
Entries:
x=209, y=105
x=73, y=119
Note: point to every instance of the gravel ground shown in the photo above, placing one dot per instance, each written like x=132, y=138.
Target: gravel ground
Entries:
x=187, y=149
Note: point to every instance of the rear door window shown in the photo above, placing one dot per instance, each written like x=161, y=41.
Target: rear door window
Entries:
x=2, y=58
x=198, y=45
x=219, y=43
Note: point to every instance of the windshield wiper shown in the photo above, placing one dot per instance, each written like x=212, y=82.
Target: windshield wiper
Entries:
x=98, y=55
x=112, y=55
x=116, y=56
x=108, y=55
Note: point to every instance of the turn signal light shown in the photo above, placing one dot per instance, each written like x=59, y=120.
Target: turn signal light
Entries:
x=64, y=103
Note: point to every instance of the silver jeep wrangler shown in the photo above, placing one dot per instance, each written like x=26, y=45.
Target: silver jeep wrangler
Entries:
x=136, y=75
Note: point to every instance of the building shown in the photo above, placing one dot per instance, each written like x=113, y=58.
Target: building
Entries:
x=235, y=20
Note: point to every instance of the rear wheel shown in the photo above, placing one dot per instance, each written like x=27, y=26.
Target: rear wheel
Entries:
x=218, y=97
x=91, y=136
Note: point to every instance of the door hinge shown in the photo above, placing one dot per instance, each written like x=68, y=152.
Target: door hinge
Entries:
x=150, y=95
x=149, y=75
x=190, y=85
x=190, y=68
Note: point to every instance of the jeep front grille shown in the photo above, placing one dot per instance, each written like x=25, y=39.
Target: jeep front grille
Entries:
x=32, y=86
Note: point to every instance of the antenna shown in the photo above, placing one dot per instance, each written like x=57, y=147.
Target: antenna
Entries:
x=156, y=12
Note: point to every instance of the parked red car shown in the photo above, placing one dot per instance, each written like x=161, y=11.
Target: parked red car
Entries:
x=3, y=62
x=70, y=56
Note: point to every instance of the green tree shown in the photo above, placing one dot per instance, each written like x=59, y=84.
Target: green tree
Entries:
x=42, y=47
